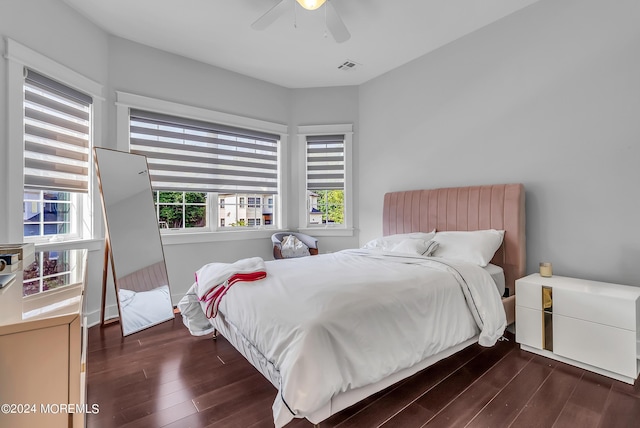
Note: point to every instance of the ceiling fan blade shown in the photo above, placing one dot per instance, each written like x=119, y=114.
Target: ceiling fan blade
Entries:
x=335, y=25
x=270, y=16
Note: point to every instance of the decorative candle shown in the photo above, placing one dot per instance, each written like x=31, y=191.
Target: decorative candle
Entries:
x=546, y=270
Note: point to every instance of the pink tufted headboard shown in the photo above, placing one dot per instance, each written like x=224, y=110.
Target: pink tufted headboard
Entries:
x=499, y=206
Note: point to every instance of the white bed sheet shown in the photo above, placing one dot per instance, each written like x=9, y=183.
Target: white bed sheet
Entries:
x=309, y=318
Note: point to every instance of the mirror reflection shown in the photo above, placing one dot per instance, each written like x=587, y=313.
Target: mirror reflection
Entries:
x=137, y=257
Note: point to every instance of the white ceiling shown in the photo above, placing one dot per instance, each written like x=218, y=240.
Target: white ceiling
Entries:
x=384, y=33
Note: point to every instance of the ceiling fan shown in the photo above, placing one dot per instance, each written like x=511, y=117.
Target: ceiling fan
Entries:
x=333, y=21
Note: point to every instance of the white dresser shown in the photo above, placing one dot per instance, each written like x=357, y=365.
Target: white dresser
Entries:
x=589, y=324
x=43, y=351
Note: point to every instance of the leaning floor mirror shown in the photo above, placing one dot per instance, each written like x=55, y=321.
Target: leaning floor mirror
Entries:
x=132, y=241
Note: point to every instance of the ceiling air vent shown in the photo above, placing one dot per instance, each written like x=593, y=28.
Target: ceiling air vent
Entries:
x=348, y=65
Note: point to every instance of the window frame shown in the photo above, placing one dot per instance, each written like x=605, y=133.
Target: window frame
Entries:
x=19, y=57
x=345, y=229
x=126, y=101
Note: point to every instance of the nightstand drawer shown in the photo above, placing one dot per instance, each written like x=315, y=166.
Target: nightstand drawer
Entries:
x=595, y=307
x=529, y=326
x=610, y=348
x=529, y=295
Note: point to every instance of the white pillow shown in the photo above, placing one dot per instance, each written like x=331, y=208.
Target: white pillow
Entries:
x=415, y=246
x=387, y=243
x=477, y=246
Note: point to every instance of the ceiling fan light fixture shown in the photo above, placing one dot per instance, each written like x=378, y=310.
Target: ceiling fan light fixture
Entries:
x=311, y=4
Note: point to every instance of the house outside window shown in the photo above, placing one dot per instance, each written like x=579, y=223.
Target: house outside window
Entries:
x=237, y=213
x=315, y=215
x=47, y=213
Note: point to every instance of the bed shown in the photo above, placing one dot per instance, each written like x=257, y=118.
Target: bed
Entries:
x=330, y=330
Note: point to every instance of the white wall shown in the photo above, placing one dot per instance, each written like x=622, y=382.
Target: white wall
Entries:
x=142, y=70
x=122, y=65
x=549, y=97
x=322, y=106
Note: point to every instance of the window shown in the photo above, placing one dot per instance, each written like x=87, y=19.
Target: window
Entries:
x=327, y=176
x=47, y=213
x=57, y=144
x=325, y=179
x=51, y=129
x=190, y=160
x=50, y=270
x=181, y=210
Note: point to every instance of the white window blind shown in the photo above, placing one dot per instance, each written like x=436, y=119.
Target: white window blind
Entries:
x=325, y=162
x=191, y=155
x=57, y=131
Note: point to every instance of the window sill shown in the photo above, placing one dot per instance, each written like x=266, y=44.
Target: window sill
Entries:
x=181, y=238
x=327, y=231
x=78, y=244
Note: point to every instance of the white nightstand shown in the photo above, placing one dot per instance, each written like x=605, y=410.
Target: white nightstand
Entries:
x=589, y=324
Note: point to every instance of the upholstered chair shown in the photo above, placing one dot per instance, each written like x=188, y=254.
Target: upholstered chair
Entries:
x=309, y=241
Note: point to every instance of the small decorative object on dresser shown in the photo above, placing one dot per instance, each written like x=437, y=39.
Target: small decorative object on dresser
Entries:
x=546, y=270
x=589, y=324
x=25, y=252
x=6, y=279
x=10, y=259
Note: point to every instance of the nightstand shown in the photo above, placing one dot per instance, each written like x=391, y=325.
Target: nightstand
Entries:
x=589, y=324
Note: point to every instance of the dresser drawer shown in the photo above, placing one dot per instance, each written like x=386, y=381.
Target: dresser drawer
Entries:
x=529, y=327
x=595, y=307
x=529, y=295
x=599, y=345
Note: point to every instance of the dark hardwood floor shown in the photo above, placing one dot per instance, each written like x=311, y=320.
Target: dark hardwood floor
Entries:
x=164, y=377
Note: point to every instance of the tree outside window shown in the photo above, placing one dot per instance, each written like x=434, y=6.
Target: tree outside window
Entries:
x=178, y=210
x=331, y=204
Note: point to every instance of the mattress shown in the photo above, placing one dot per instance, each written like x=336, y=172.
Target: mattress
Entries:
x=497, y=274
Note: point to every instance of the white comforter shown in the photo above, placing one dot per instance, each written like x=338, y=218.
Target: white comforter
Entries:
x=339, y=321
